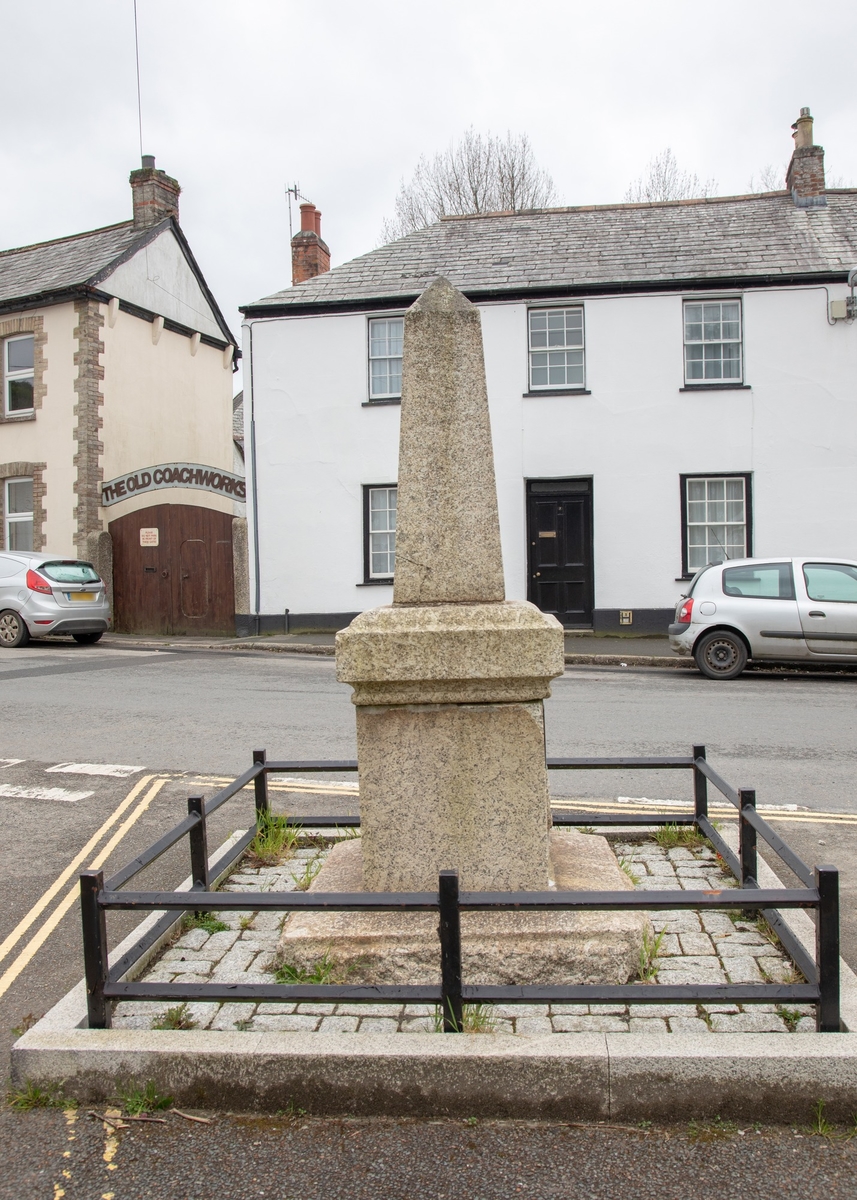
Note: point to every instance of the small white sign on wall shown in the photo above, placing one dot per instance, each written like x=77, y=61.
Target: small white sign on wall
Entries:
x=149, y=537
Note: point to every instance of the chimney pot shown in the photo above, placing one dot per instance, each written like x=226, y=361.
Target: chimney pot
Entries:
x=308, y=218
x=148, y=162
x=318, y=222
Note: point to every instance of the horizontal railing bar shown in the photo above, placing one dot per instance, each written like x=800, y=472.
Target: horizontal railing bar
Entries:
x=326, y=822
x=619, y=764
x=723, y=849
x=796, y=864
x=147, y=857
x=793, y=947
x=582, y=901
x=234, y=852
x=312, y=765
x=632, y=817
x=719, y=782
x=260, y=992
x=274, y=901
x=643, y=993
x=232, y=789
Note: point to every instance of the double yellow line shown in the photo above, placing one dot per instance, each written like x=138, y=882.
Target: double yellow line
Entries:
x=49, y=925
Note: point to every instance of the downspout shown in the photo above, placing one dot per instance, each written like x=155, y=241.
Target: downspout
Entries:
x=257, y=620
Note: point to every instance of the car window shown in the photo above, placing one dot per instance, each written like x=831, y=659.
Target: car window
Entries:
x=699, y=574
x=768, y=581
x=831, y=581
x=70, y=572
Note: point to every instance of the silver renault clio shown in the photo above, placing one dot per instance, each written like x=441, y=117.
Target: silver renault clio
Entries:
x=42, y=594
x=777, y=609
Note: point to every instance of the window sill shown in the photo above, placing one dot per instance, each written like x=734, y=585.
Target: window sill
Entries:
x=716, y=387
x=8, y=418
x=376, y=583
x=559, y=392
x=379, y=403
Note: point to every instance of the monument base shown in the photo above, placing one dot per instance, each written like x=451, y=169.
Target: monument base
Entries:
x=497, y=947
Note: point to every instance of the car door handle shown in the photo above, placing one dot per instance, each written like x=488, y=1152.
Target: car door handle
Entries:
x=814, y=612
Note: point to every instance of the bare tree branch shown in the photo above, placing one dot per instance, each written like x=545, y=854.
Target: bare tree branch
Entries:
x=770, y=179
x=663, y=179
x=479, y=173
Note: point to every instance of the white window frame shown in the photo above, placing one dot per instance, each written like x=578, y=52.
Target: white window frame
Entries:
x=718, y=543
x=388, y=531
x=12, y=376
x=720, y=380
x=10, y=518
x=388, y=358
x=567, y=347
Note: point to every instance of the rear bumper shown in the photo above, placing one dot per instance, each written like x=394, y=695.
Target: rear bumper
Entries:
x=73, y=625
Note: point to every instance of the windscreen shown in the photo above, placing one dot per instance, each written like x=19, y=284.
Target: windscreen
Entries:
x=70, y=572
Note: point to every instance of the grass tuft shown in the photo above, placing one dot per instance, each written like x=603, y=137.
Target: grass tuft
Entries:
x=791, y=1016
x=204, y=920
x=308, y=874
x=275, y=840
x=178, y=1017
x=475, y=1018
x=711, y=1131
x=323, y=971
x=136, y=1100
x=625, y=866
x=669, y=836
x=649, y=955
x=34, y=1095
x=820, y=1126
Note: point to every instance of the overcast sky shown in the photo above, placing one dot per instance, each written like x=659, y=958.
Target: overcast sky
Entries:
x=243, y=97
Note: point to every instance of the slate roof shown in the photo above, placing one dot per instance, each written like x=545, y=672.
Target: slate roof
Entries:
x=65, y=263
x=599, y=247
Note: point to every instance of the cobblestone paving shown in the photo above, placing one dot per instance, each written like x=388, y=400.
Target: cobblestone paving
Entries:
x=693, y=948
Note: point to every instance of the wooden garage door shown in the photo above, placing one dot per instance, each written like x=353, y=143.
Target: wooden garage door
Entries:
x=172, y=571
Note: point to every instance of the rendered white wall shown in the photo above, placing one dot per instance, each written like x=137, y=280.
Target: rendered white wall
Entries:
x=795, y=429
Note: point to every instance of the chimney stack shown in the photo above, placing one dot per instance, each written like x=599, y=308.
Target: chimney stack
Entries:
x=310, y=255
x=805, y=175
x=156, y=196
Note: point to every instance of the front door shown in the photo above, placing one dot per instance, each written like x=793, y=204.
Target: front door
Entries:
x=172, y=571
x=827, y=599
x=559, y=529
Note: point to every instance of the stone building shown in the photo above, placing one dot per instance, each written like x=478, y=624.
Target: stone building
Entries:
x=116, y=439
x=669, y=383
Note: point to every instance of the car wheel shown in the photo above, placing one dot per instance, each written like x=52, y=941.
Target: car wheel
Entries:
x=720, y=654
x=87, y=639
x=13, y=629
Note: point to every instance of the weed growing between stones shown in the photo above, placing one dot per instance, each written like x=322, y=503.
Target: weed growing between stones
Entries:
x=820, y=1125
x=669, y=836
x=323, y=971
x=791, y=1016
x=33, y=1095
x=625, y=866
x=307, y=875
x=711, y=1131
x=146, y=1099
x=649, y=955
x=475, y=1018
x=274, y=841
x=203, y=920
x=178, y=1017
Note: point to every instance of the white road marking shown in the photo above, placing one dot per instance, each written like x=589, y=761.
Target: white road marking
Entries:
x=684, y=804
x=10, y=762
x=116, y=770
x=39, y=793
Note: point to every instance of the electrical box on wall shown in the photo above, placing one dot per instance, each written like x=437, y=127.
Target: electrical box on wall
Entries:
x=626, y=616
x=838, y=310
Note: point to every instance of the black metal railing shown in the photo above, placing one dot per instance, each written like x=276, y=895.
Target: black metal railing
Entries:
x=820, y=891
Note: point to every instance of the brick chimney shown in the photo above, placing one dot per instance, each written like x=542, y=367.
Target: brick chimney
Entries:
x=805, y=176
x=310, y=255
x=156, y=196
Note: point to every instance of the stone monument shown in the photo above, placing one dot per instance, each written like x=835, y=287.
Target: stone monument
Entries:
x=449, y=683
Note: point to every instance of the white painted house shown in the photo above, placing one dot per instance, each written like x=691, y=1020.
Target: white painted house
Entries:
x=669, y=384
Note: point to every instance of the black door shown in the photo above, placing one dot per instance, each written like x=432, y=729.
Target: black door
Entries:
x=559, y=529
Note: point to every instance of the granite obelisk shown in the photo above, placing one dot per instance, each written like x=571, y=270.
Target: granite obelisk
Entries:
x=449, y=680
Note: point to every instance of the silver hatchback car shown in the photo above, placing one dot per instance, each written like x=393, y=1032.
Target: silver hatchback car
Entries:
x=43, y=594
x=774, y=609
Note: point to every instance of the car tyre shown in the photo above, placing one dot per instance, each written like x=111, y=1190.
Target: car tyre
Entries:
x=87, y=639
x=13, y=630
x=721, y=654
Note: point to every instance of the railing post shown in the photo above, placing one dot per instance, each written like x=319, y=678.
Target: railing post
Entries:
x=198, y=845
x=747, y=837
x=260, y=783
x=94, y=948
x=700, y=785
x=450, y=953
x=827, y=949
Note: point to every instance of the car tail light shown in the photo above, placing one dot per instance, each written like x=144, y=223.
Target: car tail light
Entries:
x=685, y=612
x=36, y=583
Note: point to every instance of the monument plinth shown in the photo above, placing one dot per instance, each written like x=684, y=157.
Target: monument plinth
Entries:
x=449, y=683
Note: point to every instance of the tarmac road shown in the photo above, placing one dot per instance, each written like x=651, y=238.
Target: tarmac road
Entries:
x=170, y=724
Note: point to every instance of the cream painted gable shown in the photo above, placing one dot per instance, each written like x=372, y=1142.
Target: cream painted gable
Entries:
x=159, y=278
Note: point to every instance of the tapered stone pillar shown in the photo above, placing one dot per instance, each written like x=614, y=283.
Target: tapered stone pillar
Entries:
x=449, y=680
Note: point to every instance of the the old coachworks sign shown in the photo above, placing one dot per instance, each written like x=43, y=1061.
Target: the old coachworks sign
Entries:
x=171, y=475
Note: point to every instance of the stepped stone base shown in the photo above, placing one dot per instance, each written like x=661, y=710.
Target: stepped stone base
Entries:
x=497, y=947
